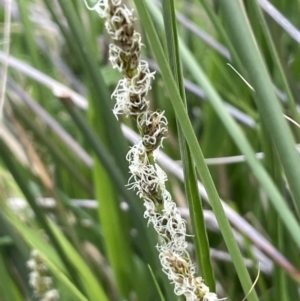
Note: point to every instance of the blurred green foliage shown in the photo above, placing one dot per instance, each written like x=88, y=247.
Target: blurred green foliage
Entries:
x=63, y=170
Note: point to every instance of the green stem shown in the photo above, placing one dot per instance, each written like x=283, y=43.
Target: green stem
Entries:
x=190, y=178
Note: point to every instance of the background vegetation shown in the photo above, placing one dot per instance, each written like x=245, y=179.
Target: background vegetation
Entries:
x=63, y=169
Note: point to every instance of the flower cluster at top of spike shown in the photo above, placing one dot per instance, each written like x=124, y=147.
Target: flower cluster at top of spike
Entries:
x=146, y=176
x=39, y=279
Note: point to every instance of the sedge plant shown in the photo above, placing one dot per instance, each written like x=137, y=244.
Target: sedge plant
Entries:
x=147, y=178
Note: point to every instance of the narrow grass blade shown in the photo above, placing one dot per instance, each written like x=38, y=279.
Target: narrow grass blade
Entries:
x=276, y=59
x=8, y=288
x=190, y=179
x=92, y=286
x=156, y=284
x=195, y=149
x=221, y=31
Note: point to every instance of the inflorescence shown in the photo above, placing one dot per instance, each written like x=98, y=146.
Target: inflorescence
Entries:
x=147, y=178
x=39, y=278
